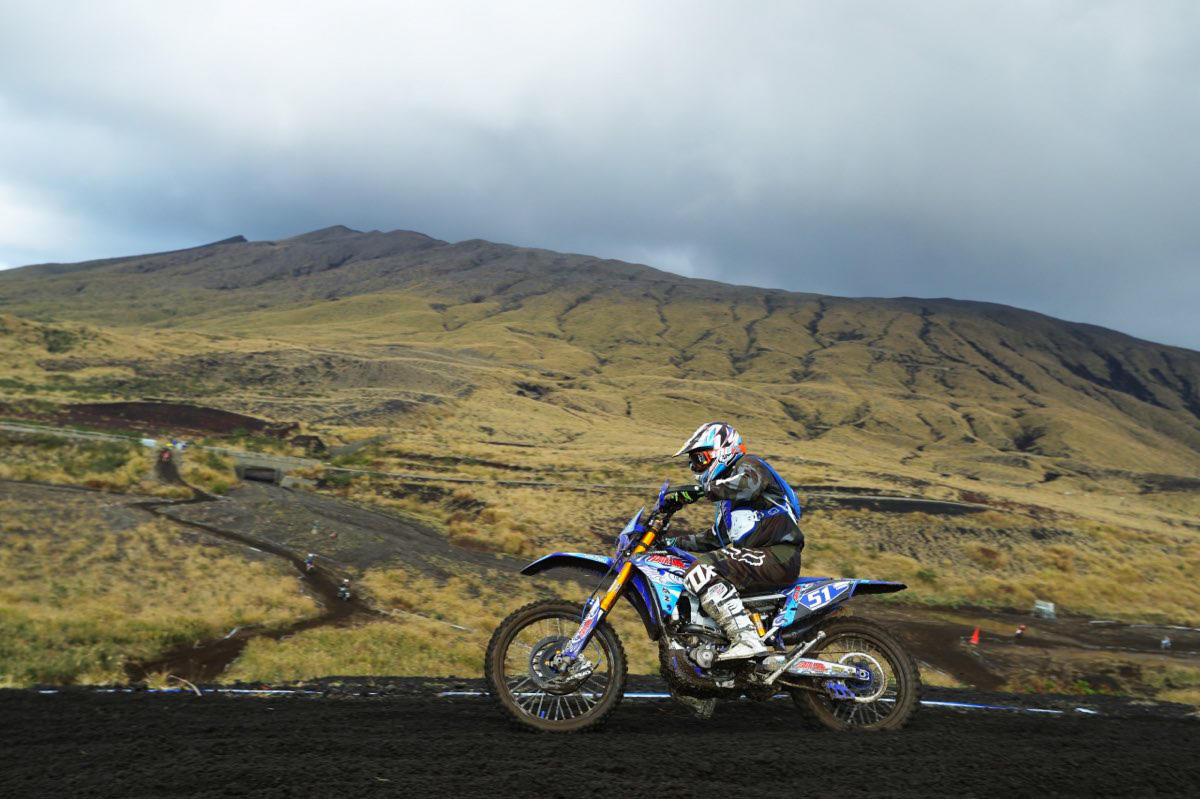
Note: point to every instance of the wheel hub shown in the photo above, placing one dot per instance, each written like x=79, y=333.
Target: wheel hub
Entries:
x=870, y=683
x=551, y=672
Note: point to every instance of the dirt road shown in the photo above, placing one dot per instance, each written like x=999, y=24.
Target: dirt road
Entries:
x=413, y=743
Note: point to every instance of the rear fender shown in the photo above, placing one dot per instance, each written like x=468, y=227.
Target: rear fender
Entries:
x=816, y=596
x=642, y=597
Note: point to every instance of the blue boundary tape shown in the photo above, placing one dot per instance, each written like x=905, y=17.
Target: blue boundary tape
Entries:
x=926, y=702
x=478, y=694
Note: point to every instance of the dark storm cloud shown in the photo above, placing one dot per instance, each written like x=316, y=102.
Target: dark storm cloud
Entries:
x=1034, y=154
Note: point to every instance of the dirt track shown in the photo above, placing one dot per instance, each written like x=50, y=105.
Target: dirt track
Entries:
x=411, y=743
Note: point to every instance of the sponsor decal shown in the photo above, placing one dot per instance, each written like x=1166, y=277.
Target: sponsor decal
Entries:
x=667, y=560
x=810, y=665
x=663, y=577
x=667, y=579
x=751, y=557
x=577, y=639
x=699, y=576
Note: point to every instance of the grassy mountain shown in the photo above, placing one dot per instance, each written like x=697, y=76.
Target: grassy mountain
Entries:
x=385, y=323
x=484, y=360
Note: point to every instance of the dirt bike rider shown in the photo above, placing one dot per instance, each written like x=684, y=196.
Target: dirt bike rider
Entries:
x=755, y=542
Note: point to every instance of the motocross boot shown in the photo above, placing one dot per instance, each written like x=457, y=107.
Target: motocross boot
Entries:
x=722, y=603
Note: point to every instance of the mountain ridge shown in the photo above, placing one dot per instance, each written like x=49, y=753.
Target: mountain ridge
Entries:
x=419, y=240
x=916, y=374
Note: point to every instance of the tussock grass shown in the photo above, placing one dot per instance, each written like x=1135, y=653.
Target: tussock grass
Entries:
x=411, y=647
x=84, y=588
x=423, y=637
x=207, y=470
x=936, y=677
x=107, y=465
x=1186, y=696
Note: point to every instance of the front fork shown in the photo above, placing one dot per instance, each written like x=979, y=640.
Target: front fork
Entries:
x=595, y=610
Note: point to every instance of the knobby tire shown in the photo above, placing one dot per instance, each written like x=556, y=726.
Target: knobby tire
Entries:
x=494, y=669
x=821, y=712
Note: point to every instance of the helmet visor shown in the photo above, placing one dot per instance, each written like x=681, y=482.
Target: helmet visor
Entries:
x=700, y=459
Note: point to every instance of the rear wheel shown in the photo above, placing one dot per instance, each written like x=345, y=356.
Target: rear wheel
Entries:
x=887, y=701
x=522, y=677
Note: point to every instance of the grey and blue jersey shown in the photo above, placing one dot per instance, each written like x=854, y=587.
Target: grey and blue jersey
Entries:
x=755, y=508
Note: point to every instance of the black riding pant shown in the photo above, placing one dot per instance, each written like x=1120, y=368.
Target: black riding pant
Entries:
x=755, y=568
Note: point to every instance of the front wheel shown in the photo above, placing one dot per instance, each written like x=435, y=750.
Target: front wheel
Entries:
x=887, y=701
x=521, y=675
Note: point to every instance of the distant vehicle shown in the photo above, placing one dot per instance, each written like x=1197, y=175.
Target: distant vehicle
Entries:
x=554, y=667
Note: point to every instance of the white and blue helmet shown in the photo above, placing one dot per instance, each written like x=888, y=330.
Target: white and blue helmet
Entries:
x=712, y=450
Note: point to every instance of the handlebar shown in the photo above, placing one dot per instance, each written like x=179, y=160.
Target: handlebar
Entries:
x=655, y=523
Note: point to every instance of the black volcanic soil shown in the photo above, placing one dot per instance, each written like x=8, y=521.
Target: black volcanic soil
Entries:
x=174, y=416
x=340, y=532
x=409, y=742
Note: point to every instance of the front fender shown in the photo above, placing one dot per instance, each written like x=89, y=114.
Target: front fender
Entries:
x=642, y=598
x=598, y=564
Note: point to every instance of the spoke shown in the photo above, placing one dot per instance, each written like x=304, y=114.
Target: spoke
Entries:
x=841, y=649
x=523, y=685
x=521, y=680
x=601, y=684
x=526, y=703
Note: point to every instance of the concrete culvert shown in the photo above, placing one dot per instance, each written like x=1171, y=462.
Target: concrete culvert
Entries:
x=262, y=474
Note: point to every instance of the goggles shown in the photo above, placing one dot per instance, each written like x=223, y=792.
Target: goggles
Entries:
x=700, y=459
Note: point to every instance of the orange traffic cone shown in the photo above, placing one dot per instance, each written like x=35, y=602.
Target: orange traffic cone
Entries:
x=975, y=637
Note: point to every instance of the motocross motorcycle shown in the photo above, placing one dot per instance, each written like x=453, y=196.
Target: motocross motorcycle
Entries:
x=555, y=667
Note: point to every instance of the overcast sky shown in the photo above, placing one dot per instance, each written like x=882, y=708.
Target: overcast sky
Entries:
x=1039, y=154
